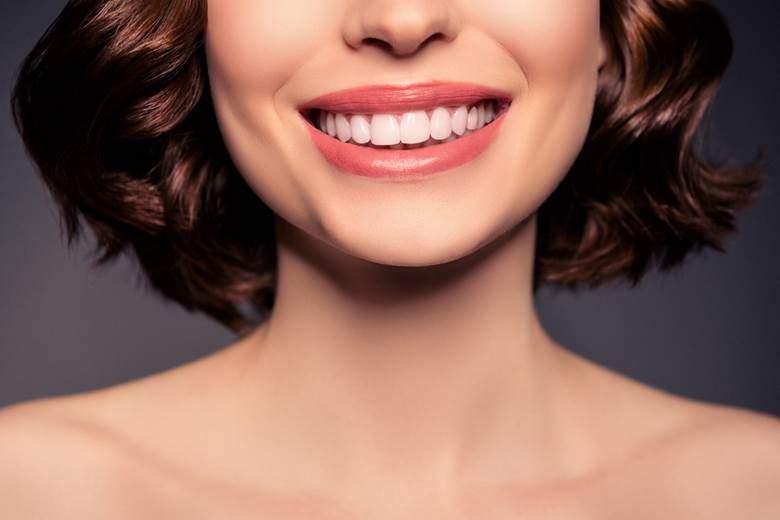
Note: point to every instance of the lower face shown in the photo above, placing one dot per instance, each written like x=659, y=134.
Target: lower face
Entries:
x=365, y=177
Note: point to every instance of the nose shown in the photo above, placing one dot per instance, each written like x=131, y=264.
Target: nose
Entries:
x=400, y=26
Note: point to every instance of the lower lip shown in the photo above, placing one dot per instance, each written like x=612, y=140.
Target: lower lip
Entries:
x=411, y=163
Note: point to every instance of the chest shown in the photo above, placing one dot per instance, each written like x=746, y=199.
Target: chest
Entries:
x=195, y=502
x=634, y=495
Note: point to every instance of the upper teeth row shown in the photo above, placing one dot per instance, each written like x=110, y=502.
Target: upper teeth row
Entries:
x=410, y=128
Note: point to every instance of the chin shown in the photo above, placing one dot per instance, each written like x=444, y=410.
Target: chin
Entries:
x=404, y=241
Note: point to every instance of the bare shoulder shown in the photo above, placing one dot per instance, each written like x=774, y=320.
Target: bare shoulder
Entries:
x=700, y=459
x=713, y=461
x=93, y=454
x=51, y=462
x=730, y=456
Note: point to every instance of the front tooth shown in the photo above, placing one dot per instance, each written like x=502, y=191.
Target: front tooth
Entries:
x=385, y=130
x=342, y=128
x=331, y=125
x=415, y=127
x=361, y=129
x=441, y=124
x=481, y=115
x=471, y=122
x=459, y=118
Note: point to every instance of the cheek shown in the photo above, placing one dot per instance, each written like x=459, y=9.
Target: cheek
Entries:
x=555, y=47
x=254, y=46
x=550, y=39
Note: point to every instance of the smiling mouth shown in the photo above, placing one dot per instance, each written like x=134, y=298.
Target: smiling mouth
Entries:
x=403, y=130
x=394, y=132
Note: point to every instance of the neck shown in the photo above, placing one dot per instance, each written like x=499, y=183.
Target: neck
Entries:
x=429, y=373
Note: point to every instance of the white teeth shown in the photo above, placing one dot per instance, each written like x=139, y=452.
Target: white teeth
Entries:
x=412, y=129
x=415, y=127
x=331, y=125
x=323, y=121
x=471, y=122
x=343, y=131
x=489, y=113
x=441, y=124
x=361, y=129
x=459, y=120
x=385, y=129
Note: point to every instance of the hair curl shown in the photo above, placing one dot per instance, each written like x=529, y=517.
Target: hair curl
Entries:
x=114, y=108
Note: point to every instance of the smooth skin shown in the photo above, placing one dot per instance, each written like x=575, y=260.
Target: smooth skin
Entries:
x=404, y=372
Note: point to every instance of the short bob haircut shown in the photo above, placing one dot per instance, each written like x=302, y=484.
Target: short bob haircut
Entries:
x=114, y=108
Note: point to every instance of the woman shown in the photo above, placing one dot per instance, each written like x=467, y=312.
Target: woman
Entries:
x=370, y=193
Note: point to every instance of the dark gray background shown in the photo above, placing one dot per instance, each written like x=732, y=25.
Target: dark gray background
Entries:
x=709, y=330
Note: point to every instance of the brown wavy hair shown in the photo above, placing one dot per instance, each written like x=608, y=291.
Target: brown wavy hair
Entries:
x=114, y=108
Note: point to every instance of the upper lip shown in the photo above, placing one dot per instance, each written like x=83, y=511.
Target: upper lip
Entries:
x=373, y=99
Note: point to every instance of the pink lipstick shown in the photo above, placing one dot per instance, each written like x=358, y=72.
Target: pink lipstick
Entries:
x=371, y=159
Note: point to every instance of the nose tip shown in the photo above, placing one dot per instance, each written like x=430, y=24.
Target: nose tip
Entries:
x=400, y=26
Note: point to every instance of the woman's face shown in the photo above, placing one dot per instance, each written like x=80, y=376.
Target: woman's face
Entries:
x=268, y=58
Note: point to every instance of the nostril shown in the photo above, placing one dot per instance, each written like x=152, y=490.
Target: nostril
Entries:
x=434, y=36
x=402, y=46
x=378, y=42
